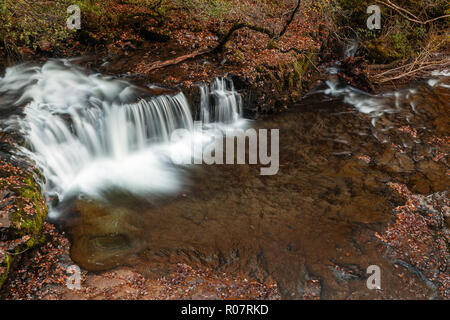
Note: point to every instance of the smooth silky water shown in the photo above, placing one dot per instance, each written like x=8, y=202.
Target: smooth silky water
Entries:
x=104, y=148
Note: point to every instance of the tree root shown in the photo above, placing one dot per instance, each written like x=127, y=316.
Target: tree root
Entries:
x=223, y=41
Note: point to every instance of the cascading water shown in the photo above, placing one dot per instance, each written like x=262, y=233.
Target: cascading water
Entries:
x=378, y=104
x=89, y=132
x=220, y=103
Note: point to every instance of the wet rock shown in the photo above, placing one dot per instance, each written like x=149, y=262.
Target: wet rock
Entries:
x=159, y=90
x=313, y=289
x=433, y=171
x=420, y=183
x=347, y=272
x=353, y=72
x=405, y=164
x=395, y=162
x=22, y=207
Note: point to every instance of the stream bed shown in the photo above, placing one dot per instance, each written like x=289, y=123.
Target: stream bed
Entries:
x=103, y=146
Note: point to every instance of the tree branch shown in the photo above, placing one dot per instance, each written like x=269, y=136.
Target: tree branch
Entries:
x=288, y=22
x=404, y=13
x=178, y=60
x=227, y=37
x=238, y=26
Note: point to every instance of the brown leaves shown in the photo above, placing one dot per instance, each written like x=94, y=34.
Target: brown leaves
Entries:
x=420, y=237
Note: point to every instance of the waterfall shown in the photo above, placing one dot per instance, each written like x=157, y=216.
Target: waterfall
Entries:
x=219, y=102
x=90, y=132
x=351, y=48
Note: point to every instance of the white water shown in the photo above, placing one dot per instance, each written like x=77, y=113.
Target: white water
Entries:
x=376, y=105
x=88, y=133
x=220, y=103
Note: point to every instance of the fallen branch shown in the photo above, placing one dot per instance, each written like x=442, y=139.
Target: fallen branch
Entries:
x=178, y=60
x=226, y=38
x=424, y=62
x=412, y=69
x=288, y=22
x=238, y=26
x=218, y=48
x=383, y=66
x=401, y=9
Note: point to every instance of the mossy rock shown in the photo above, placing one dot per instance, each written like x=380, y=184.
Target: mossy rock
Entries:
x=27, y=220
x=5, y=266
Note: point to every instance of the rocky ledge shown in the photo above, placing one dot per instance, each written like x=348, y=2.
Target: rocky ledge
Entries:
x=22, y=207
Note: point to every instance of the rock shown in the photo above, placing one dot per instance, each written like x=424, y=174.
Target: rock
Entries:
x=405, y=163
x=5, y=220
x=347, y=272
x=22, y=213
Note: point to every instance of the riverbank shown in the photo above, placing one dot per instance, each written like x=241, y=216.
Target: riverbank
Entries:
x=340, y=197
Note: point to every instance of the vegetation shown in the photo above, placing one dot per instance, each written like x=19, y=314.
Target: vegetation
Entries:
x=31, y=24
x=41, y=25
x=27, y=210
x=408, y=27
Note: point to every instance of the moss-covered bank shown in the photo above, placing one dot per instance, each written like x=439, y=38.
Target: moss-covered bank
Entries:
x=23, y=211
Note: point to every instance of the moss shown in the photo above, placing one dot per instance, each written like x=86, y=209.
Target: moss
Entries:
x=28, y=221
x=398, y=38
x=289, y=80
x=6, y=264
x=272, y=44
x=29, y=26
x=239, y=55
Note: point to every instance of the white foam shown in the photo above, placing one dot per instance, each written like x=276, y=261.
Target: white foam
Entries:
x=89, y=133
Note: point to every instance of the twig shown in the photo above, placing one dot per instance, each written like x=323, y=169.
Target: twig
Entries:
x=178, y=60
x=305, y=54
x=412, y=69
x=226, y=38
x=404, y=13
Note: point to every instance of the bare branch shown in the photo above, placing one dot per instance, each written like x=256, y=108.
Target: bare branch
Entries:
x=288, y=22
x=408, y=15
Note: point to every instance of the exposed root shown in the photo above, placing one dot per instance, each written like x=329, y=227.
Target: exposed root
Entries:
x=223, y=41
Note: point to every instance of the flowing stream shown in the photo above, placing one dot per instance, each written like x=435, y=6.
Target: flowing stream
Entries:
x=105, y=148
x=90, y=133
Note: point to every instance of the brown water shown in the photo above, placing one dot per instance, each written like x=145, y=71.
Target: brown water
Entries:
x=316, y=219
